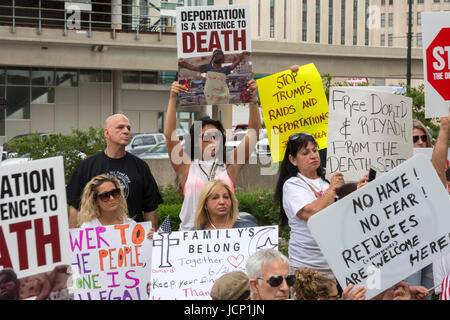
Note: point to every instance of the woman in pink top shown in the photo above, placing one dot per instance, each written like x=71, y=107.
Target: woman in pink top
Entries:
x=206, y=159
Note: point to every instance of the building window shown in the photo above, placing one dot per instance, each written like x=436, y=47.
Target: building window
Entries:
x=383, y=40
x=343, y=22
x=419, y=39
x=317, y=21
x=367, y=32
x=383, y=20
x=259, y=18
x=330, y=21
x=305, y=21
x=391, y=19
x=272, y=18
x=66, y=78
x=355, y=22
x=390, y=40
x=419, y=18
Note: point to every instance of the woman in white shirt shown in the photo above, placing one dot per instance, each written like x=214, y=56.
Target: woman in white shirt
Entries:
x=303, y=191
x=103, y=203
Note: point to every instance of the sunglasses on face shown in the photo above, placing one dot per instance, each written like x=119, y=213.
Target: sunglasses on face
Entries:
x=422, y=137
x=297, y=135
x=276, y=281
x=208, y=136
x=105, y=196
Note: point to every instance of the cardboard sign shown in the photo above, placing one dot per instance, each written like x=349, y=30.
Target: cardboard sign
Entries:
x=187, y=263
x=436, y=62
x=33, y=217
x=387, y=230
x=367, y=127
x=111, y=262
x=291, y=103
x=213, y=78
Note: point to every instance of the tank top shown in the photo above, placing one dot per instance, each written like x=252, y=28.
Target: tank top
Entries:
x=200, y=172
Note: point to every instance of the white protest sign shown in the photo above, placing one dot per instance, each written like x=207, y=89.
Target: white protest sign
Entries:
x=436, y=62
x=367, y=127
x=187, y=263
x=111, y=262
x=387, y=230
x=429, y=152
x=34, y=224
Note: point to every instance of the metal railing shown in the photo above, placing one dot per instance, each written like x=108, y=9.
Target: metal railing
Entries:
x=104, y=15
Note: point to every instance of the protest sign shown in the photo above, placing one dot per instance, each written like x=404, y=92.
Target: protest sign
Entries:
x=387, y=230
x=34, y=223
x=291, y=103
x=214, y=54
x=436, y=62
x=187, y=263
x=111, y=262
x=429, y=152
x=367, y=128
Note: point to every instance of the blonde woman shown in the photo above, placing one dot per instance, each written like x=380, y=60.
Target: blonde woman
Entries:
x=103, y=203
x=421, y=136
x=218, y=208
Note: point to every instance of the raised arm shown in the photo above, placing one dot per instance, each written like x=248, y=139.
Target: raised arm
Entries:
x=184, y=64
x=244, y=150
x=178, y=159
x=238, y=60
x=439, y=156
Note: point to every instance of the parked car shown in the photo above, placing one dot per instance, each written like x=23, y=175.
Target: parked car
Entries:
x=262, y=146
x=157, y=152
x=8, y=152
x=140, y=143
x=233, y=141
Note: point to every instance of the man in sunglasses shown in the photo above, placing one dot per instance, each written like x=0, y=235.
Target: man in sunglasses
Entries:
x=139, y=186
x=269, y=275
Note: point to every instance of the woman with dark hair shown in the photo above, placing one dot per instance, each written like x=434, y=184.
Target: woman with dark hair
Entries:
x=303, y=191
x=207, y=158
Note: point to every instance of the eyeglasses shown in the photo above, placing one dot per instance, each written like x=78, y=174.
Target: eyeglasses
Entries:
x=422, y=137
x=106, y=196
x=276, y=281
x=297, y=135
x=208, y=136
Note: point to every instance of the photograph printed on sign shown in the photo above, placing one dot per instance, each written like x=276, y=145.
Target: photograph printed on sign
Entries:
x=214, y=54
x=187, y=263
x=34, y=248
x=387, y=230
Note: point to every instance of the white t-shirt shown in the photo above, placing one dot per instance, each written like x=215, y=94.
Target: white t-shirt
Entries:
x=96, y=223
x=441, y=268
x=303, y=249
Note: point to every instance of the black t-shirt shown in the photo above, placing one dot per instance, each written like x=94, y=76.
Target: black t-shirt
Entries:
x=139, y=186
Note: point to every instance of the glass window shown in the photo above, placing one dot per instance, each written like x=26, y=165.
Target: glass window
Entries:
x=90, y=76
x=149, y=77
x=106, y=76
x=42, y=77
x=66, y=78
x=16, y=76
x=2, y=76
x=18, y=99
x=40, y=95
x=130, y=77
x=149, y=140
x=2, y=110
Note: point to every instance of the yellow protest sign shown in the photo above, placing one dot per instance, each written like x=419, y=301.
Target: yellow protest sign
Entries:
x=293, y=102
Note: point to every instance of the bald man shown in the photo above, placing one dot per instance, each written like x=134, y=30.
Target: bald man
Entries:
x=140, y=188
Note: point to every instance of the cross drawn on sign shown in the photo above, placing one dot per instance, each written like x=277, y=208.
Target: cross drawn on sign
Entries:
x=165, y=243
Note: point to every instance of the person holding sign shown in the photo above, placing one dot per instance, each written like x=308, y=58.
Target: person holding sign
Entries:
x=421, y=139
x=303, y=191
x=218, y=208
x=207, y=159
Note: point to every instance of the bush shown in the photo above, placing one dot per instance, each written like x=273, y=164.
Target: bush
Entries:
x=70, y=147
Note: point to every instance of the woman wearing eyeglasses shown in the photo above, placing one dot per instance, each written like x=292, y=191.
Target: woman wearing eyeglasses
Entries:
x=218, y=208
x=206, y=159
x=312, y=285
x=421, y=136
x=103, y=203
x=303, y=191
